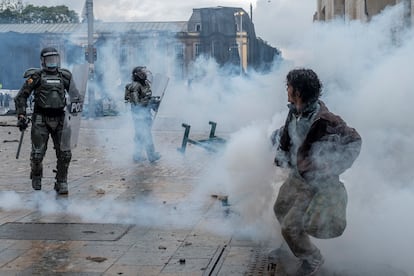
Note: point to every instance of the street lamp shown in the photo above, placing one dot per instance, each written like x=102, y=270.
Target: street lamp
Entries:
x=240, y=13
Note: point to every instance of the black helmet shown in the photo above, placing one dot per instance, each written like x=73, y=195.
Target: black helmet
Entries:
x=139, y=73
x=49, y=59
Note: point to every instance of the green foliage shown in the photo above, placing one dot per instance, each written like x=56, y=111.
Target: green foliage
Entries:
x=39, y=14
x=7, y=16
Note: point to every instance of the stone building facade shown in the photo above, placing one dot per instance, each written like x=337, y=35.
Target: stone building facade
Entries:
x=223, y=33
x=362, y=10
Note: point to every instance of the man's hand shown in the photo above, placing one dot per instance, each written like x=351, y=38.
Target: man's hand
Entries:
x=282, y=159
x=22, y=122
x=275, y=137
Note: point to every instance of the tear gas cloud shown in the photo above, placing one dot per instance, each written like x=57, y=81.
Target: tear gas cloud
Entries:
x=365, y=69
x=358, y=64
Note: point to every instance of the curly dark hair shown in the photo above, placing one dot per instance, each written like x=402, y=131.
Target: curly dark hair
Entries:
x=306, y=83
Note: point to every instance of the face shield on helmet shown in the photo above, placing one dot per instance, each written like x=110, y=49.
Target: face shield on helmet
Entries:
x=139, y=73
x=142, y=75
x=50, y=59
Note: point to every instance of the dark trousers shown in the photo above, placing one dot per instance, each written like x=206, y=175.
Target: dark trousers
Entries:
x=42, y=127
x=143, y=136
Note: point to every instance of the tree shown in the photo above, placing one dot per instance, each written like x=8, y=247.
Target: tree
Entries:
x=39, y=14
x=7, y=16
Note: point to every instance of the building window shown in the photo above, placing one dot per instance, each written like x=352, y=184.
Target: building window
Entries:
x=339, y=8
x=198, y=27
x=141, y=54
x=323, y=14
x=179, y=51
x=234, y=57
x=197, y=49
x=215, y=48
x=123, y=54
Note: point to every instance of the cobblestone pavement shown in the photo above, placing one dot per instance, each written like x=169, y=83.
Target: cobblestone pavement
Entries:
x=120, y=218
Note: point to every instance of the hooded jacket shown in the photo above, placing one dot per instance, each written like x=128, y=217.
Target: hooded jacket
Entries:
x=330, y=147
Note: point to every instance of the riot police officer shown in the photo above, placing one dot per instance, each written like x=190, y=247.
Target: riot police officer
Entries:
x=139, y=94
x=50, y=86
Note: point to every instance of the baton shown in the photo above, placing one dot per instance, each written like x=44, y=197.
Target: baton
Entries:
x=21, y=138
x=20, y=144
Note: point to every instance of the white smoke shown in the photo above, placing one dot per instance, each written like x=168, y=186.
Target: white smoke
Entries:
x=367, y=80
x=366, y=72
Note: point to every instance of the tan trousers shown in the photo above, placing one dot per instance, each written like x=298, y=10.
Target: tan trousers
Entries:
x=291, y=204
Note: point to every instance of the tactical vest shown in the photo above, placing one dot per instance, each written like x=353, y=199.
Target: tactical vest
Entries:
x=51, y=92
x=140, y=98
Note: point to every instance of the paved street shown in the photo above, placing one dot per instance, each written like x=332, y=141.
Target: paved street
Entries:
x=126, y=218
x=120, y=218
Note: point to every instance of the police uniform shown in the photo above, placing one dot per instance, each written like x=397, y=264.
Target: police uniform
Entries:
x=139, y=94
x=49, y=89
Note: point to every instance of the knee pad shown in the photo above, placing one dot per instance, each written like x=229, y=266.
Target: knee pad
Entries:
x=37, y=156
x=36, y=163
x=65, y=156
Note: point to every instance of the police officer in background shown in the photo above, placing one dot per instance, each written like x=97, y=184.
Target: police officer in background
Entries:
x=139, y=94
x=49, y=86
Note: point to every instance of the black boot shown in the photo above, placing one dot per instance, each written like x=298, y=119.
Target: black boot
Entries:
x=37, y=183
x=61, y=187
x=154, y=157
x=138, y=158
x=36, y=175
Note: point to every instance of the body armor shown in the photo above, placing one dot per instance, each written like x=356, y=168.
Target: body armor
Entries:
x=138, y=93
x=51, y=92
x=49, y=86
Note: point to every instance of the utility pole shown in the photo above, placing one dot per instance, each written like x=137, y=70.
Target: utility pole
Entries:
x=408, y=10
x=241, y=43
x=90, y=56
x=240, y=13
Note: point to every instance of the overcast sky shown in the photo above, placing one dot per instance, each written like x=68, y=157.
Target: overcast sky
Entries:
x=276, y=21
x=145, y=10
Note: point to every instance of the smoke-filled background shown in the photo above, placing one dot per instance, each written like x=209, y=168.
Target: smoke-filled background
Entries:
x=366, y=70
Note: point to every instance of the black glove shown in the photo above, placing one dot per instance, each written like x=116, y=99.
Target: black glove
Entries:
x=155, y=103
x=22, y=123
